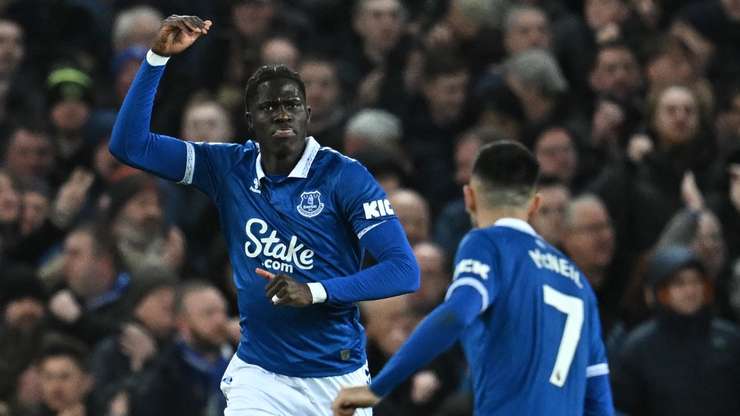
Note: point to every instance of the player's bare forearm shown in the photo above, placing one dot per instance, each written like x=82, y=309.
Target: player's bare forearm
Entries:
x=178, y=33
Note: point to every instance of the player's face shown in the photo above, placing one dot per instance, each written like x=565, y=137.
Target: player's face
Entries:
x=279, y=117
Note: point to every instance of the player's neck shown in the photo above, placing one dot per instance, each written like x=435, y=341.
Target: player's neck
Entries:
x=281, y=163
x=488, y=217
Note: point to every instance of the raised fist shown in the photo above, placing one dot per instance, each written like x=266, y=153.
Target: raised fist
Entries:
x=177, y=33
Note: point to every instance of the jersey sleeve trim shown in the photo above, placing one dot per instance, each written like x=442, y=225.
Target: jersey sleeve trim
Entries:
x=475, y=284
x=187, y=178
x=367, y=229
x=597, y=370
x=156, y=60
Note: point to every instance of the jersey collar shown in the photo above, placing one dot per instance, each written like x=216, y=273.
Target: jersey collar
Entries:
x=300, y=170
x=516, y=224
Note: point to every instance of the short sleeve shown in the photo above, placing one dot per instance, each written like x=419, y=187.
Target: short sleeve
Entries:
x=362, y=200
x=208, y=163
x=474, y=267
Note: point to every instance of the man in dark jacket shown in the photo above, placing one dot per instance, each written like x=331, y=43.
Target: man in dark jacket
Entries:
x=684, y=361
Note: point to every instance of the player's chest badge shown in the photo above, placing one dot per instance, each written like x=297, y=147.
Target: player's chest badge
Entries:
x=310, y=205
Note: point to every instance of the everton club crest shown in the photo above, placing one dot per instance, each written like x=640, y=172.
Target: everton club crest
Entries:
x=310, y=205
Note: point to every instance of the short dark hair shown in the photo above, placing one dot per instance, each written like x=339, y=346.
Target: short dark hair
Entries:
x=58, y=345
x=269, y=72
x=508, y=172
x=441, y=63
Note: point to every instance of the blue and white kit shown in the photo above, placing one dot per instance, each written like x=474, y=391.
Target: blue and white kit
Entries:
x=313, y=225
x=529, y=325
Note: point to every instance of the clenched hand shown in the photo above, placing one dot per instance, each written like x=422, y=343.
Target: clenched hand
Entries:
x=177, y=33
x=284, y=290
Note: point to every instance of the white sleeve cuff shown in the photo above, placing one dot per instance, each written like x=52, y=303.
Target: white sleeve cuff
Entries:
x=156, y=60
x=318, y=293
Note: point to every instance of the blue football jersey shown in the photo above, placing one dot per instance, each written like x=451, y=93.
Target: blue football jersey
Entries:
x=307, y=225
x=538, y=336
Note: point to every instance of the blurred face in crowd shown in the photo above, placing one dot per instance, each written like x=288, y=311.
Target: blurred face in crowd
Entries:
x=434, y=277
x=465, y=153
x=550, y=217
x=125, y=77
x=708, y=243
x=445, y=95
x=413, y=212
x=208, y=122
x=23, y=314
x=676, y=118
x=157, y=311
x=11, y=47
x=203, y=319
x=280, y=51
x=63, y=383
x=81, y=265
x=104, y=162
x=141, y=217
x=29, y=155
x=732, y=8
x=35, y=209
x=10, y=200
x=684, y=294
x=527, y=29
x=379, y=23
x=616, y=72
x=252, y=18
x=556, y=153
x=322, y=87
x=589, y=236
x=70, y=115
x=388, y=322
x=734, y=172
x=670, y=67
x=600, y=13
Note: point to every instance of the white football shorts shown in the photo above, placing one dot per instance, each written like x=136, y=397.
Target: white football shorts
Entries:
x=251, y=390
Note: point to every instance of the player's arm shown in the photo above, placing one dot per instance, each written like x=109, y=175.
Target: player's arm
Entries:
x=471, y=293
x=598, y=391
x=434, y=335
x=131, y=141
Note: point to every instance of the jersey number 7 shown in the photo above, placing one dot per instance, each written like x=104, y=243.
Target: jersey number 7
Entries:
x=572, y=307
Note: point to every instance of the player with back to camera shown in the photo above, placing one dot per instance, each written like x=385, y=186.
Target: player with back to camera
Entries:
x=526, y=316
x=293, y=213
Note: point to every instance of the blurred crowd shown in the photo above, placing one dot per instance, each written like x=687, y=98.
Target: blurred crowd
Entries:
x=115, y=288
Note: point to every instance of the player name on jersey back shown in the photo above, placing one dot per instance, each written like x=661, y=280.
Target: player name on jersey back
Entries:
x=556, y=264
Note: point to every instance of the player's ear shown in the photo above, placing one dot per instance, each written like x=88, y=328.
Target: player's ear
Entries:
x=534, y=206
x=469, y=195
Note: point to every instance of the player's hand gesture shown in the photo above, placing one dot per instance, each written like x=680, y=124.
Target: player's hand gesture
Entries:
x=177, y=33
x=351, y=398
x=284, y=290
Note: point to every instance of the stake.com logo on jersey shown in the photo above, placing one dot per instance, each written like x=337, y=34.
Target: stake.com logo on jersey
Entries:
x=281, y=257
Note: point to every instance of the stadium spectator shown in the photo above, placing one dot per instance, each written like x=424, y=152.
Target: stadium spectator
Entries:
x=185, y=378
x=435, y=277
x=589, y=240
x=22, y=302
x=20, y=98
x=413, y=212
x=526, y=27
x=36, y=204
x=10, y=211
x=92, y=295
x=372, y=128
x=644, y=373
x=280, y=50
x=136, y=26
x=555, y=150
x=136, y=217
x=64, y=378
x=325, y=94
x=549, y=220
x=206, y=120
x=29, y=154
x=119, y=360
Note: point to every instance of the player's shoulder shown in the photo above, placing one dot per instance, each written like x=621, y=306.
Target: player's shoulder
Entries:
x=339, y=164
x=244, y=148
x=478, y=236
